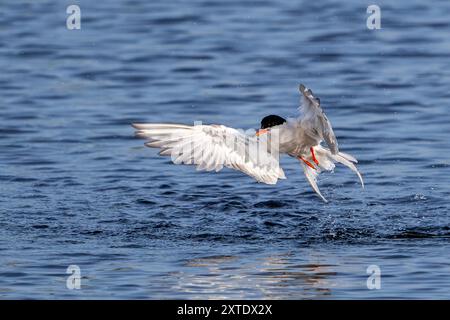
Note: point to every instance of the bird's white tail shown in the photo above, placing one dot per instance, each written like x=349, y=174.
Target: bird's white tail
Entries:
x=323, y=159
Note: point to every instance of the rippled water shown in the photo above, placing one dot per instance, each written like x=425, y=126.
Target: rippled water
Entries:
x=78, y=189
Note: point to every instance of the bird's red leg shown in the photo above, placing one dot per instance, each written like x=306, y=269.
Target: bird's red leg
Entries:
x=307, y=162
x=313, y=156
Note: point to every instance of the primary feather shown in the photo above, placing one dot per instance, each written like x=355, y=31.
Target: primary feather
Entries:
x=315, y=122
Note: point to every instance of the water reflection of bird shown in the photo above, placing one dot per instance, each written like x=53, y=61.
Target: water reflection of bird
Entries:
x=268, y=277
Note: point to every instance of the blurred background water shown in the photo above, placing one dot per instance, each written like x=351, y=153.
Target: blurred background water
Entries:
x=77, y=188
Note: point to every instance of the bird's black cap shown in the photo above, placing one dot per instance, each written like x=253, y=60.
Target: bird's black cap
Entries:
x=271, y=121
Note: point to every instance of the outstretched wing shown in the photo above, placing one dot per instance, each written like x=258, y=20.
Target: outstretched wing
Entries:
x=315, y=119
x=212, y=147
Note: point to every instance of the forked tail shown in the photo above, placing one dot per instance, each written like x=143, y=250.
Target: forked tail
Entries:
x=322, y=159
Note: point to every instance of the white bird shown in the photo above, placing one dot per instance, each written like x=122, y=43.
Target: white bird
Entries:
x=212, y=147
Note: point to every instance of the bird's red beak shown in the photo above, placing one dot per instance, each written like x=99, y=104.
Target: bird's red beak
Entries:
x=261, y=131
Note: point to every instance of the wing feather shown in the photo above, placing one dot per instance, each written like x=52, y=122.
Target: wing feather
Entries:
x=212, y=147
x=316, y=121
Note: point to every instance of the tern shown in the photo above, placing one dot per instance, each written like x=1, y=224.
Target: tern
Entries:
x=213, y=147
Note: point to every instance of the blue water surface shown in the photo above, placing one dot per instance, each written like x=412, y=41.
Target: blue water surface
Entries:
x=76, y=188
